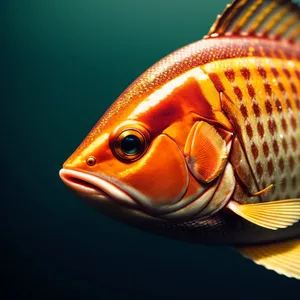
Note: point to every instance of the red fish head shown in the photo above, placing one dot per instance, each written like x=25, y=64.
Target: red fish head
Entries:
x=133, y=162
x=130, y=166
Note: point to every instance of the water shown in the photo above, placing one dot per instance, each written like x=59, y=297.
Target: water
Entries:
x=65, y=62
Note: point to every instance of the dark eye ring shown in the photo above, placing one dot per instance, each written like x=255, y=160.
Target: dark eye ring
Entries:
x=130, y=144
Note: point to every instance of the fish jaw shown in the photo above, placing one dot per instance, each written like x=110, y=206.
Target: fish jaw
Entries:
x=91, y=186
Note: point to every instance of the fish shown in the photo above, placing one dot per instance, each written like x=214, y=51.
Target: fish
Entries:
x=204, y=146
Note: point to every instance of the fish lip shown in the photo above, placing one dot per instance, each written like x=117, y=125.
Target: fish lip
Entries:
x=88, y=185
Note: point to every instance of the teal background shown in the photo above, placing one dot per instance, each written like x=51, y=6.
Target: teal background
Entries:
x=63, y=64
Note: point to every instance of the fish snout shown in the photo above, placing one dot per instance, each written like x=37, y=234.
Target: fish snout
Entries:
x=91, y=186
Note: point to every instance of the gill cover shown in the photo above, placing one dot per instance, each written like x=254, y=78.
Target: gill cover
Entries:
x=160, y=178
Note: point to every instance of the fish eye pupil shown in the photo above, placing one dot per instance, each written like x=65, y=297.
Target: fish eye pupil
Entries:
x=131, y=144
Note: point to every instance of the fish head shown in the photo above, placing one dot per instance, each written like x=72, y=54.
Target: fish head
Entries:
x=133, y=164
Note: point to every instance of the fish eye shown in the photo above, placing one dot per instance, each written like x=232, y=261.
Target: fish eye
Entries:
x=91, y=161
x=130, y=144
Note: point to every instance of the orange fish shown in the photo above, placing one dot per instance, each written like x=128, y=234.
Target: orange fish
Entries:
x=205, y=145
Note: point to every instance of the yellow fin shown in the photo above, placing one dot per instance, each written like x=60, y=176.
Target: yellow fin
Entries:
x=281, y=257
x=272, y=215
x=263, y=18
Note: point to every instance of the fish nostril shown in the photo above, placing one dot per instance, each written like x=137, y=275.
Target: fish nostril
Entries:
x=91, y=161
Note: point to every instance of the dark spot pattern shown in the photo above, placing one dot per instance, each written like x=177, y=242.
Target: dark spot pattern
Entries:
x=238, y=93
x=268, y=106
x=217, y=82
x=260, y=129
x=293, y=123
x=251, y=90
x=268, y=89
x=270, y=167
x=284, y=125
x=230, y=75
x=254, y=150
x=266, y=149
x=293, y=87
x=291, y=163
x=275, y=147
x=278, y=105
x=297, y=74
x=245, y=73
x=275, y=72
x=294, y=143
x=249, y=131
x=256, y=109
x=281, y=165
x=244, y=111
x=287, y=73
x=262, y=72
x=284, y=145
x=259, y=169
x=281, y=87
x=272, y=126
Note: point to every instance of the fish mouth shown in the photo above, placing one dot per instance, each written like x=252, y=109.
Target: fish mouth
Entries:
x=91, y=186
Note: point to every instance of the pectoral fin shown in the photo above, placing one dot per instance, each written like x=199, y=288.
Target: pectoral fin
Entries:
x=272, y=215
x=205, y=152
x=281, y=257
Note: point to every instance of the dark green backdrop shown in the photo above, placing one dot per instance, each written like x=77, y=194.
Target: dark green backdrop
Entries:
x=63, y=63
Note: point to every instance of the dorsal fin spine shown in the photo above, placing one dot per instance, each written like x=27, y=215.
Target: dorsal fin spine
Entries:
x=272, y=19
x=261, y=17
x=293, y=33
x=247, y=16
x=284, y=28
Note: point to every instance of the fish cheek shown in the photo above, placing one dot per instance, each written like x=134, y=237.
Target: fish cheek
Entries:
x=160, y=177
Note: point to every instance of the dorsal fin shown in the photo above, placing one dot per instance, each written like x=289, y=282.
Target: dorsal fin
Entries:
x=276, y=19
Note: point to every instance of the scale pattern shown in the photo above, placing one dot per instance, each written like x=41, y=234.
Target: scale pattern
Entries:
x=261, y=98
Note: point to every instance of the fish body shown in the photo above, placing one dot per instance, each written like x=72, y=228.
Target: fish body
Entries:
x=205, y=145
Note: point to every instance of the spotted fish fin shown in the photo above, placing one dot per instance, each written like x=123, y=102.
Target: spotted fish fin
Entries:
x=281, y=257
x=272, y=215
x=263, y=18
x=205, y=151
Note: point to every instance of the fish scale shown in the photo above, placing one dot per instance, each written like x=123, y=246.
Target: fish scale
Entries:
x=265, y=93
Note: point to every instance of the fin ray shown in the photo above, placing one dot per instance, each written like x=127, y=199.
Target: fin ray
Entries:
x=205, y=151
x=267, y=18
x=281, y=257
x=272, y=215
